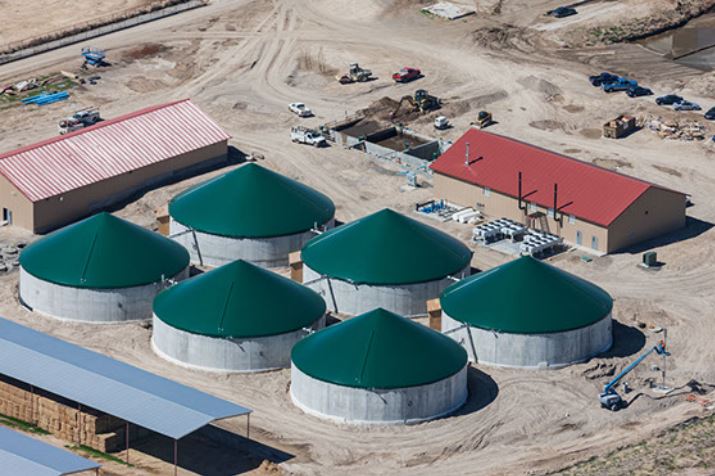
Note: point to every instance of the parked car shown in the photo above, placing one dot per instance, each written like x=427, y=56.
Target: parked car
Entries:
x=668, y=99
x=710, y=115
x=301, y=135
x=300, y=109
x=599, y=79
x=621, y=84
x=561, y=12
x=441, y=122
x=686, y=106
x=638, y=91
x=407, y=74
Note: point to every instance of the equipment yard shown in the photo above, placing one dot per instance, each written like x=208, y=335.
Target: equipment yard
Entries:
x=242, y=62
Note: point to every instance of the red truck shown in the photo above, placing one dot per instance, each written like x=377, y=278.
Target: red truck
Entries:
x=406, y=75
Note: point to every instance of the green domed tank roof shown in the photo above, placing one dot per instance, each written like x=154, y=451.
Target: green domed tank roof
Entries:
x=378, y=349
x=239, y=299
x=526, y=296
x=251, y=202
x=104, y=252
x=386, y=248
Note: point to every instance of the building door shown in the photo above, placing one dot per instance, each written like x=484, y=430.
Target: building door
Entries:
x=7, y=216
x=594, y=242
x=579, y=238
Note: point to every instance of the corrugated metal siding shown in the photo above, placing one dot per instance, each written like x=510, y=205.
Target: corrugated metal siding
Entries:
x=23, y=455
x=110, y=386
x=109, y=148
x=589, y=192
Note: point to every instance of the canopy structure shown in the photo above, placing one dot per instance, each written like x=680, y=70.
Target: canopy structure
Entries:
x=237, y=300
x=251, y=202
x=104, y=252
x=379, y=349
x=526, y=296
x=107, y=385
x=386, y=248
x=22, y=455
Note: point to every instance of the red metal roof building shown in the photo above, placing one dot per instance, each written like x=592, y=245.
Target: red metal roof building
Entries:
x=56, y=181
x=595, y=207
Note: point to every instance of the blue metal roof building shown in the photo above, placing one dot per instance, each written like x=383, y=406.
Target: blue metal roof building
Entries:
x=20, y=454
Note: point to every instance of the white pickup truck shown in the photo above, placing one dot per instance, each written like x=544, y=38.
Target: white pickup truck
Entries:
x=303, y=135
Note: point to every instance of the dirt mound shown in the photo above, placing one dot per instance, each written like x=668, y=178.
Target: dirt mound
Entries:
x=634, y=29
x=315, y=64
x=144, y=51
x=383, y=108
x=500, y=37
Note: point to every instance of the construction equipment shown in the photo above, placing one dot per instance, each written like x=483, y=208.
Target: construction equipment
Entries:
x=619, y=127
x=304, y=135
x=609, y=398
x=79, y=120
x=355, y=74
x=422, y=101
x=441, y=123
x=93, y=57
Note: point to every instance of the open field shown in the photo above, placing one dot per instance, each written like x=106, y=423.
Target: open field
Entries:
x=24, y=20
x=243, y=61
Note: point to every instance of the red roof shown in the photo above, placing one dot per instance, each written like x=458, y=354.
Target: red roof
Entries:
x=587, y=191
x=108, y=149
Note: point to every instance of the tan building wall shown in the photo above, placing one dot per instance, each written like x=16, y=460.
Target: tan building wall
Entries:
x=20, y=206
x=496, y=205
x=655, y=213
x=63, y=209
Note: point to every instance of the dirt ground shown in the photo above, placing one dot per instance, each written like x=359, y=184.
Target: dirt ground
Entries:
x=244, y=61
x=21, y=20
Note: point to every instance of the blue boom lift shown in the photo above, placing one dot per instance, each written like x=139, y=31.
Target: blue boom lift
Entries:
x=93, y=57
x=609, y=397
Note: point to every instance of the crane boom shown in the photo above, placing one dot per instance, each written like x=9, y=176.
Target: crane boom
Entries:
x=609, y=397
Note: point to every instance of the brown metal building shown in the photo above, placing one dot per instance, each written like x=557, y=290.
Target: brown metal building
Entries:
x=587, y=205
x=57, y=181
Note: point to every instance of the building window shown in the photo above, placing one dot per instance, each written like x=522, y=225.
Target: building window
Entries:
x=533, y=208
x=579, y=238
x=550, y=213
x=594, y=242
x=572, y=220
x=487, y=191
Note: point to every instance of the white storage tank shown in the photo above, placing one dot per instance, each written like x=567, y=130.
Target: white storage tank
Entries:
x=236, y=318
x=378, y=368
x=383, y=260
x=527, y=313
x=101, y=269
x=250, y=213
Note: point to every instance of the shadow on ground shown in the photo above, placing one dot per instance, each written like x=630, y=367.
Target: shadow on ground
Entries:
x=483, y=390
x=212, y=451
x=627, y=340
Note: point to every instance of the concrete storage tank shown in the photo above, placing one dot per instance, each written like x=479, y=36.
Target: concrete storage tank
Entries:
x=378, y=368
x=101, y=269
x=383, y=260
x=250, y=213
x=527, y=313
x=238, y=317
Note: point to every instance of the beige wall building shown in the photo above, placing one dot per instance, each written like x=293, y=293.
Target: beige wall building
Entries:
x=595, y=208
x=58, y=181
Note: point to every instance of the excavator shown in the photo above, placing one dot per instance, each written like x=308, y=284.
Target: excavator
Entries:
x=421, y=101
x=610, y=398
x=355, y=74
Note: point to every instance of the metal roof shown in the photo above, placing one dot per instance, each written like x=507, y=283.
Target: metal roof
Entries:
x=107, y=385
x=104, y=252
x=251, y=202
x=239, y=299
x=108, y=149
x=386, y=248
x=526, y=296
x=22, y=455
x=592, y=193
x=379, y=349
